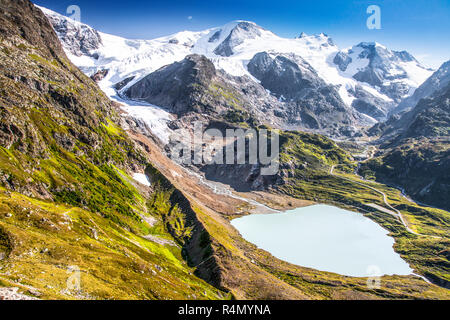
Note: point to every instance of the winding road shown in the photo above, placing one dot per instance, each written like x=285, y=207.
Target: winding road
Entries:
x=394, y=211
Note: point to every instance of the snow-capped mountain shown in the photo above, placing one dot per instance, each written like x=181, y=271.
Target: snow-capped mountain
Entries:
x=78, y=39
x=369, y=79
x=393, y=73
x=436, y=82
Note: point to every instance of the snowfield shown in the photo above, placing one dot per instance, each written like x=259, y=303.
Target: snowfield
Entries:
x=142, y=179
x=124, y=58
x=156, y=118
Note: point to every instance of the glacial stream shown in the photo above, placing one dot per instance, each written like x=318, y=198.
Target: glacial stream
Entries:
x=325, y=238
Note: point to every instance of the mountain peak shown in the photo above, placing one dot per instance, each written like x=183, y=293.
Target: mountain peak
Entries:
x=396, y=74
x=322, y=38
x=243, y=23
x=370, y=45
x=436, y=82
x=240, y=31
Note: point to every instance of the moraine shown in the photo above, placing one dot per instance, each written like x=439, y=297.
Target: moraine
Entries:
x=325, y=238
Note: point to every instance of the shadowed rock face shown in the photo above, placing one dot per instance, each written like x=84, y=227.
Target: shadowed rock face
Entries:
x=122, y=84
x=370, y=109
x=430, y=118
x=309, y=100
x=416, y=150
x=288, y=77
x=369, y=104
x=342, y=60
x=175, y=86
x=215, y=36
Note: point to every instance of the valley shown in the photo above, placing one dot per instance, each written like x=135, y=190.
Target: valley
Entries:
x=89, y=189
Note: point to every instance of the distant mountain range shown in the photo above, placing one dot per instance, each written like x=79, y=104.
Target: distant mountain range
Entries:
x=338, y=90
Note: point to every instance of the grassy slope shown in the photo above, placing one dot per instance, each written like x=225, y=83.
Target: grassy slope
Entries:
x=419, y=165
x=46, y=239
x=65, y=197
x=428, y=255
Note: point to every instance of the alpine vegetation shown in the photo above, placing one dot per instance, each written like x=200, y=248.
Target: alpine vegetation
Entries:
x=228, y=163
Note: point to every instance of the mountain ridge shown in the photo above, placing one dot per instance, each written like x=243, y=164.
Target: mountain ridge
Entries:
x=436, y=82
x=245, y=40
x=414, y=150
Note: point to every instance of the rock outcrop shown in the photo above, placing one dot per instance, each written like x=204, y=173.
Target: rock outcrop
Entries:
x=415, y=150
x=178, y=86
x=309, y=101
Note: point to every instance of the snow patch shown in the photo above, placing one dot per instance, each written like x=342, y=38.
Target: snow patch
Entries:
x=142, y=179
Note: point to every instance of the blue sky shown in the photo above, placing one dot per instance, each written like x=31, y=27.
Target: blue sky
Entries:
x=418, y=26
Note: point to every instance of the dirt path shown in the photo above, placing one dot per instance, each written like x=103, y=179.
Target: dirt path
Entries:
x=397, y=214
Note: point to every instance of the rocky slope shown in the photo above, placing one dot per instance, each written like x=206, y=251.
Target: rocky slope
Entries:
x=301, y=155
x=430, y=118
x=51, y=111
x=289, y=96
x=310, y=102
x=415, y=150
x=194, y=89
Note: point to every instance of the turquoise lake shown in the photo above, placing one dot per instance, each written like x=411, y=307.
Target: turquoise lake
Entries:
x=325, y=238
